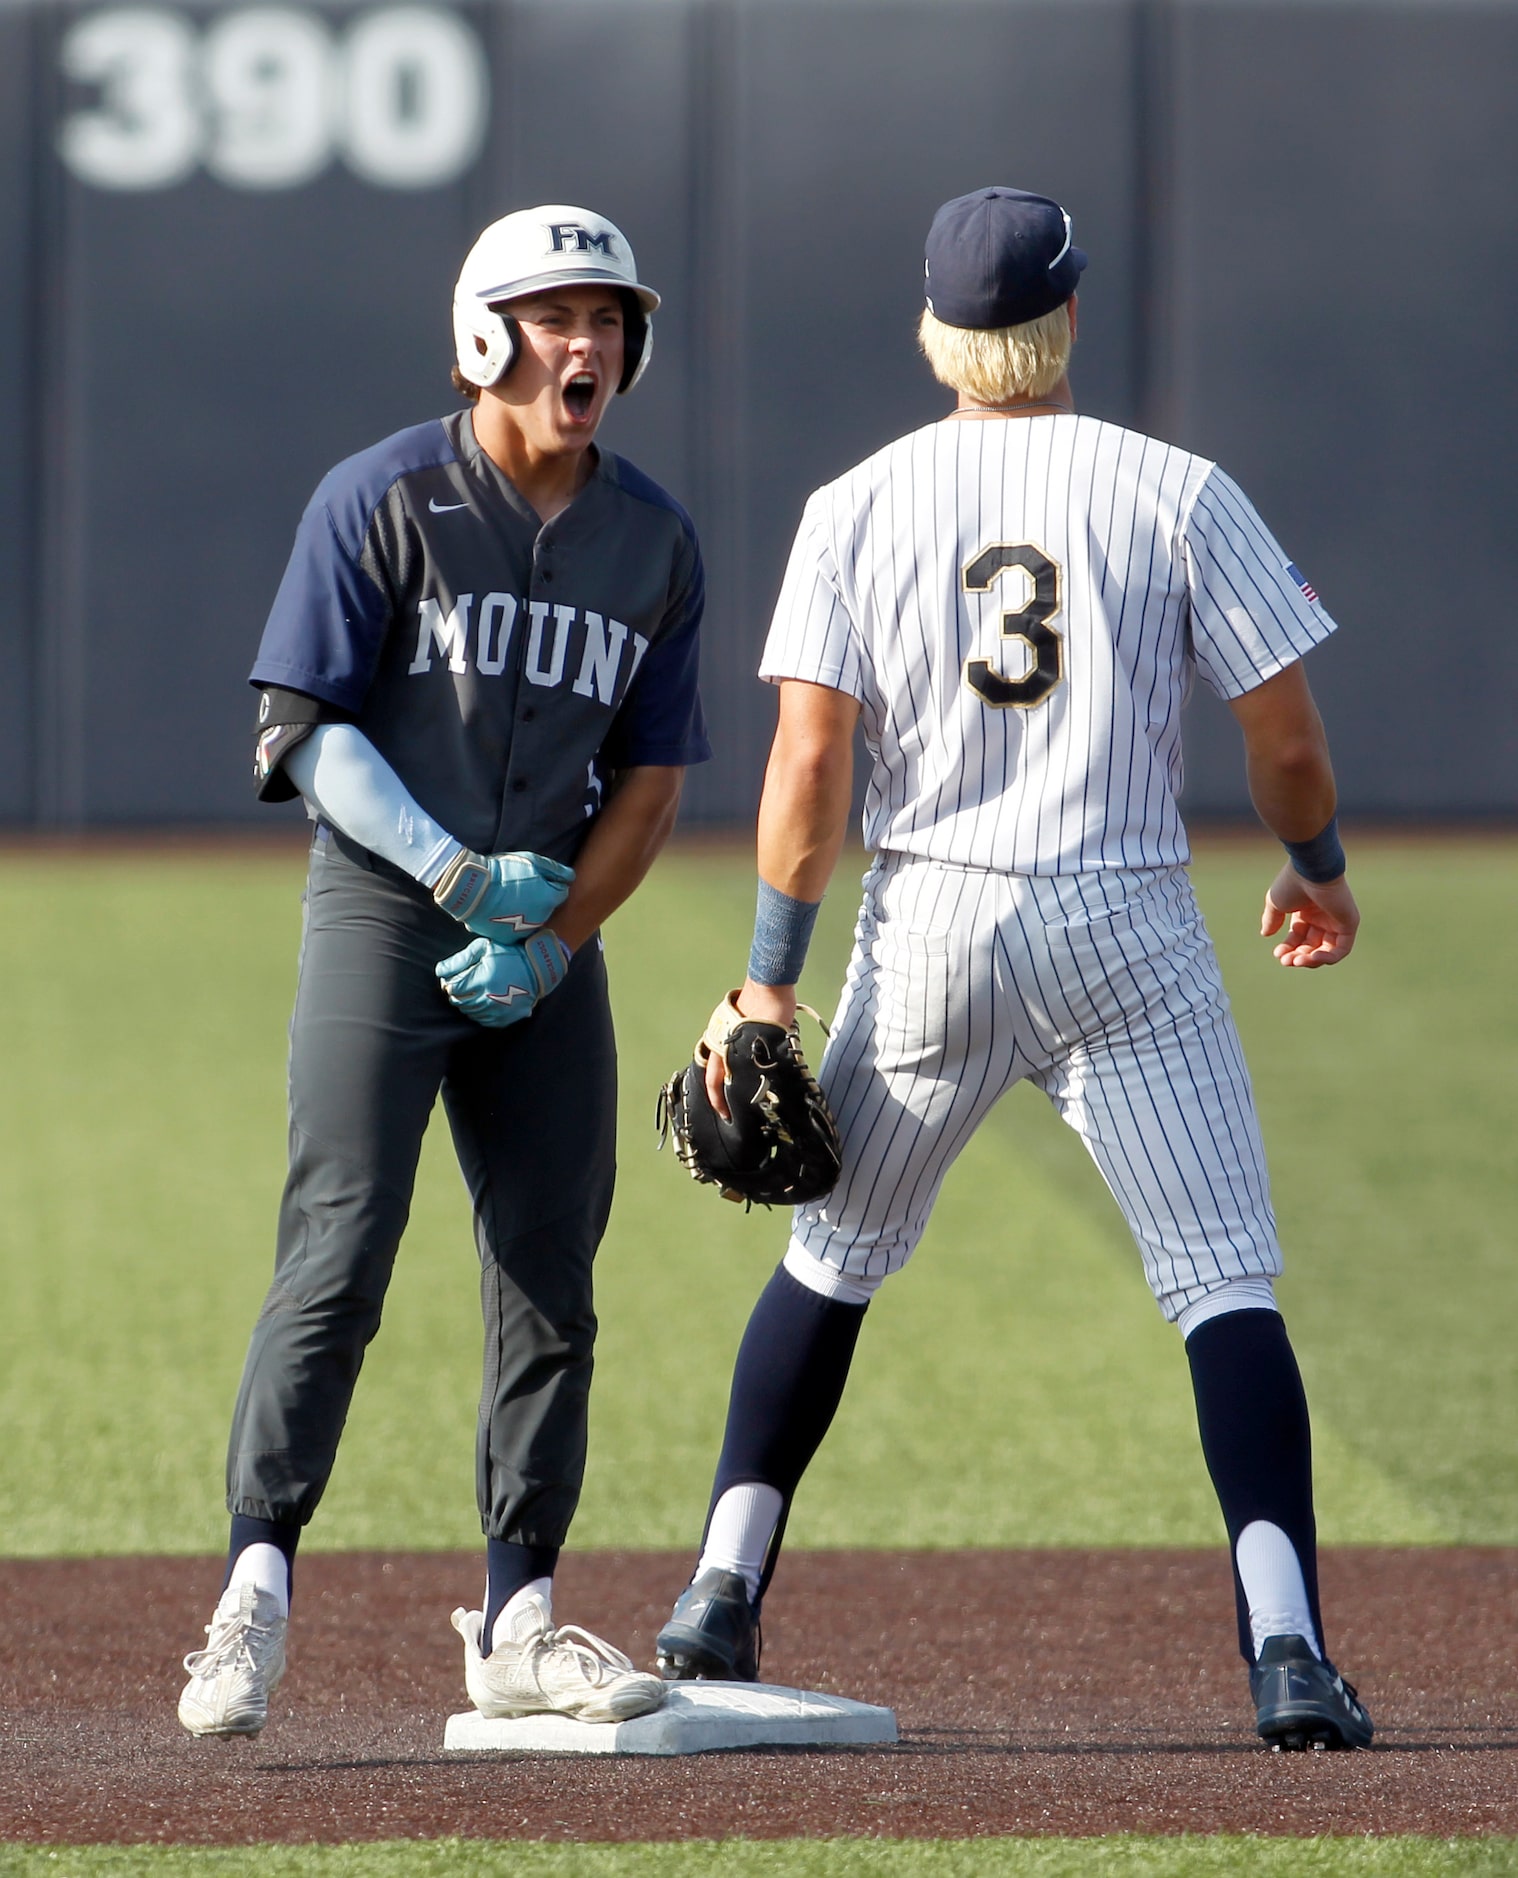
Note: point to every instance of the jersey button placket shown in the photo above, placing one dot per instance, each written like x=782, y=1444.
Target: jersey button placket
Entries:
x=542, y=576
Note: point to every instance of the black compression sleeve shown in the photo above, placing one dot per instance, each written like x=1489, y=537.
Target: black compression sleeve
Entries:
x=285, y=718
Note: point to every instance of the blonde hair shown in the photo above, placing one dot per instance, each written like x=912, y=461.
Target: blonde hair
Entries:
x=995, y=364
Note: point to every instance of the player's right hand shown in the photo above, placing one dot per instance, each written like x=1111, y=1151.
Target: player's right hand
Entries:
x=502, y=896
x=498, y=984
x=1323, y=919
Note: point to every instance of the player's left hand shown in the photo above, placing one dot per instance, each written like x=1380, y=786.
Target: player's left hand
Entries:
x=499, y=984
x=770, y=1004
x=502, y=896
x=774, y=1141
x=1323, y=919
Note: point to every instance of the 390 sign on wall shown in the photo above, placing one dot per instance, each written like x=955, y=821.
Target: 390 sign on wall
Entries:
x=267, y=97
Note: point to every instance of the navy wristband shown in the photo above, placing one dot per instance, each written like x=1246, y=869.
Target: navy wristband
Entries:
x=782, y=932
x=1322, y=858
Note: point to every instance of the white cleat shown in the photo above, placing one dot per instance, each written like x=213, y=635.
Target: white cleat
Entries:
x=539, y=1670
x=232, y=1678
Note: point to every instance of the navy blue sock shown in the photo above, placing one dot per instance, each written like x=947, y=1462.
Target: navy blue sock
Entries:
x=787, y=1383
x=1251, y=1410
x=285, y=1534
x=509, y=1566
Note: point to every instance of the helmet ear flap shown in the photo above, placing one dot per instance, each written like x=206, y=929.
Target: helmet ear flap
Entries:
x=486, y=340
x=637, y=341
x=511, y=343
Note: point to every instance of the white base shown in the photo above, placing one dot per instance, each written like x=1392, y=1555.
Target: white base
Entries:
x=697, y=1717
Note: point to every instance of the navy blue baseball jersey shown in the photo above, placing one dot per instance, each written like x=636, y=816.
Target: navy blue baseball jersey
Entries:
x=503, y=666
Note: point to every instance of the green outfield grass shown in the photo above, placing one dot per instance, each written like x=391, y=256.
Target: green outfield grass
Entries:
x=1121, y=1856
x=1015, y=1386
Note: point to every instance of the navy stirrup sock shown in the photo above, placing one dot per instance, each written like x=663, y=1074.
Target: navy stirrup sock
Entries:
x=1251, y=1411
x=509, y=1566
x=283, y=1534
x=792, y=1365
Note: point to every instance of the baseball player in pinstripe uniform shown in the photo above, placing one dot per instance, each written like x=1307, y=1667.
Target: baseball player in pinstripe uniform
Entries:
x=480, y=673
x=1013, y=603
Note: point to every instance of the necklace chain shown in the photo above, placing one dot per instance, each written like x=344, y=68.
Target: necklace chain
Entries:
x=1013, y=410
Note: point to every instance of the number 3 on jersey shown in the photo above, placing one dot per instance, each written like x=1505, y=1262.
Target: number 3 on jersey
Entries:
x=1044, y=665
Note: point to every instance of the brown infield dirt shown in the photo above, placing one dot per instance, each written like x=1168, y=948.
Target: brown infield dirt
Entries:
x=1037, y=1692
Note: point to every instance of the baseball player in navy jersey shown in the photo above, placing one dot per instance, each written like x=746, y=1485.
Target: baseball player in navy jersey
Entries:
x=1013, y=603
x=480, y=673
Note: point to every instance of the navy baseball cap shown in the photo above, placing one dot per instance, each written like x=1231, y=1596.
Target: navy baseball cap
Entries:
x=999, y=257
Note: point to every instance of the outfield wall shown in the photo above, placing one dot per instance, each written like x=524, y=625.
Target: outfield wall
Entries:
x=228, y=233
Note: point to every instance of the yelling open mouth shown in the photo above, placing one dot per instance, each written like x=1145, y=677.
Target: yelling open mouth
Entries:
x=579, y=394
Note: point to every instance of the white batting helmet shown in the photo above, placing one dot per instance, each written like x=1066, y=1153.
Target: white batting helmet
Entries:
x=553, y=246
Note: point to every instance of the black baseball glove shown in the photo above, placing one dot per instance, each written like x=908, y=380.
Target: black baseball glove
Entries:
x=781, y=1146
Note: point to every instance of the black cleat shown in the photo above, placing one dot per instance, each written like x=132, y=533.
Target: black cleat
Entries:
x=1303, y=1703
x=712, y=1634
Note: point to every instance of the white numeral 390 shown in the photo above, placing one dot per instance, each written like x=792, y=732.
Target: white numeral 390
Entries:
x=265, y=97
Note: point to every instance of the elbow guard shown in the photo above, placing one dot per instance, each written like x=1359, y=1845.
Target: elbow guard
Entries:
x=285, y=718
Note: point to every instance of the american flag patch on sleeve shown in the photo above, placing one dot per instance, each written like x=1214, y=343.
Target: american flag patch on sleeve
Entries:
x=1302, y=581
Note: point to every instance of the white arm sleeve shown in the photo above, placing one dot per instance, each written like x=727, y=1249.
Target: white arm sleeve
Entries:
x=350, y=785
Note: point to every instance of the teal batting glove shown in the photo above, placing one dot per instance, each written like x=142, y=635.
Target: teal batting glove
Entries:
x=498, y=984
x=502, y=896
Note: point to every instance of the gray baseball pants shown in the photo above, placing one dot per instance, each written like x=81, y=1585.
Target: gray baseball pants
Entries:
x=532, y=1109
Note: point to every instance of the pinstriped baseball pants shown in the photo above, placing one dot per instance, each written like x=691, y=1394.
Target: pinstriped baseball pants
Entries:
x=1103, y=990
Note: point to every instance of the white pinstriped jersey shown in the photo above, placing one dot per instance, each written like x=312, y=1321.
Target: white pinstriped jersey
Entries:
x=1020, y=604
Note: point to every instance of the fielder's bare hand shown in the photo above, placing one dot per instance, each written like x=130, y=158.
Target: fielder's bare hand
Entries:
x=1323, y=919
x=770, y=1004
